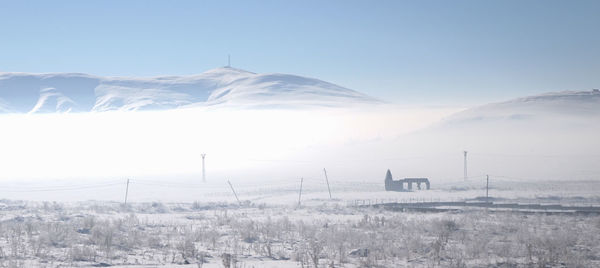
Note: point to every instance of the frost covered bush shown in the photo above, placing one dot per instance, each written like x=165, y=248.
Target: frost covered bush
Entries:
x=312, y=237
x=56, y=234
x=82, y=253
x=102, y=235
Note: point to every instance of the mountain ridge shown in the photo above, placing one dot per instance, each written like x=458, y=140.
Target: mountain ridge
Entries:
x=551, y=108
x=79, y=92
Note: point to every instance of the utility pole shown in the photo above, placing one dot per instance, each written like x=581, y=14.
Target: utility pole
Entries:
x=487, y=186
x=126, y=191
x=327, y=180
x=236, y=197
x=465, y=152
x=203, y=170
x=300, y=195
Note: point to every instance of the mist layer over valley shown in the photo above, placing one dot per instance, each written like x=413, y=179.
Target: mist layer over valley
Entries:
x=271, y=129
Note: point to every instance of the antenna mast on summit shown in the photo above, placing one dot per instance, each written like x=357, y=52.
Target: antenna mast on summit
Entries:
x=228, y=60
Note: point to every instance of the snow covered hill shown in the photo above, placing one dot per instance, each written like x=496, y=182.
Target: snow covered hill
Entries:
x=549, y=107
x=226, y=86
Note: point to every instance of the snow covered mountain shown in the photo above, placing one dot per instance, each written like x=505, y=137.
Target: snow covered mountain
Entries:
x=549, y=107
x=75, y=92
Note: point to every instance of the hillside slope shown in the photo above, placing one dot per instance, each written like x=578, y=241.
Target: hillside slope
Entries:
x=75, y=92
x=550, y=106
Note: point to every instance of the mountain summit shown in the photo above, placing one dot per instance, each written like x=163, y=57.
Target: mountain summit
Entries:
x=226, y=86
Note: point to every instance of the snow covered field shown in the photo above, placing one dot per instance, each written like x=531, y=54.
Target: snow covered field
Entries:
x=186, y=224
x=319, y=233
x=285, y=192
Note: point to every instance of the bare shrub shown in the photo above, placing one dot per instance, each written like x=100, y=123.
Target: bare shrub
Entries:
x=103, y=235
x=187, y=249
x=82, y=253
x=56, y=234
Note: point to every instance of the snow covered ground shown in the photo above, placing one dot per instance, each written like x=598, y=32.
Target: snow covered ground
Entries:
x=286, y=192
x=319, y=233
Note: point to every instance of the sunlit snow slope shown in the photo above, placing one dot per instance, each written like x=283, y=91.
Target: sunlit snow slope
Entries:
x=552, y=107
x=75, y=92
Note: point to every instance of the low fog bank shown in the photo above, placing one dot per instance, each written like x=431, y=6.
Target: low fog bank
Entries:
x=271, y=145
x=250, y=144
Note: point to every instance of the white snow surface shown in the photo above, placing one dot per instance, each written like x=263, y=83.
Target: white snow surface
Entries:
x=76, y=92
x=570, y=104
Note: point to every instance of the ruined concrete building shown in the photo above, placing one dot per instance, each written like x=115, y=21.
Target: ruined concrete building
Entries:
x=392, y=185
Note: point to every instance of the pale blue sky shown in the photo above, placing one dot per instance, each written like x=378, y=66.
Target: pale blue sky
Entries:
x=403, y=51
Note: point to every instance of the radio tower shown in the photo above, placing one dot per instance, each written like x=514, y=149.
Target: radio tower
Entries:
x=203, y=170
x=228, y=60
x=465, y=152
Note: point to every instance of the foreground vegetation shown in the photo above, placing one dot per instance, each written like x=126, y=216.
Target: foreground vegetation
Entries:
x=197, y=235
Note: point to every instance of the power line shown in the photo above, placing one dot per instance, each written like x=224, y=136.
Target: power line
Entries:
x=62, y=189
x=66, y=186
x=535, y=155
